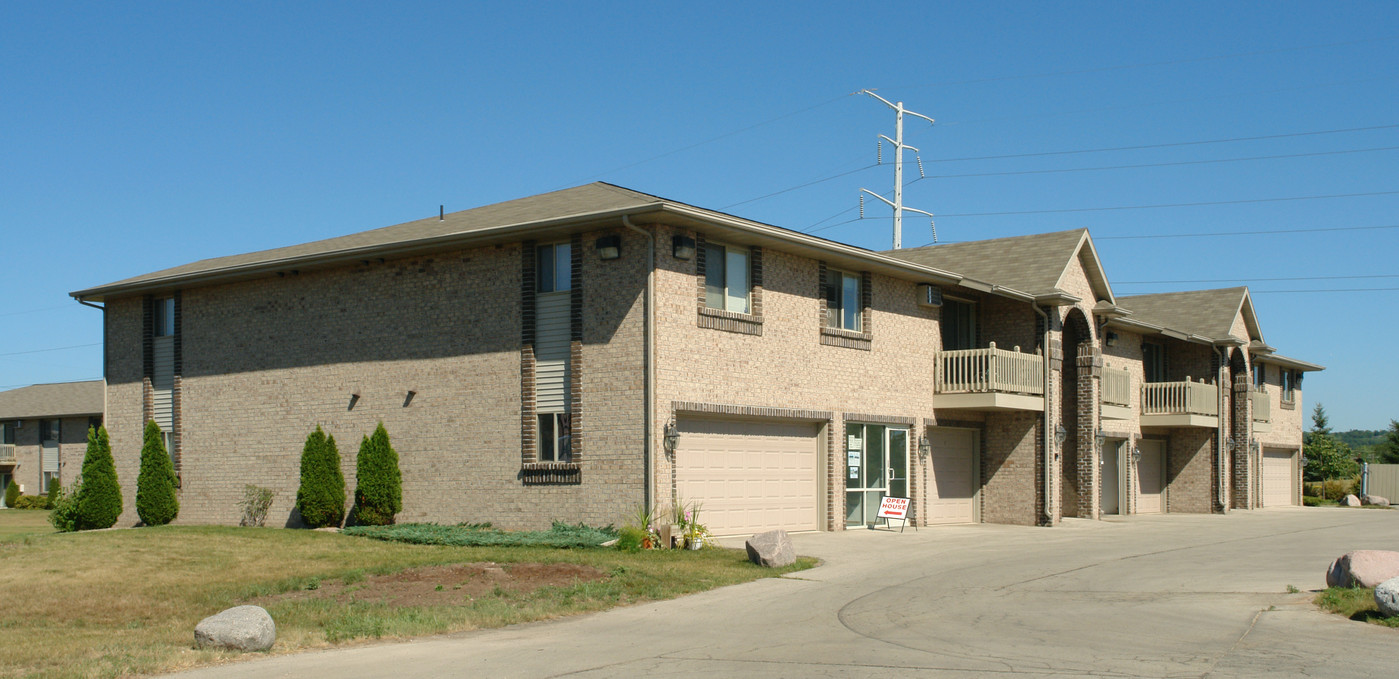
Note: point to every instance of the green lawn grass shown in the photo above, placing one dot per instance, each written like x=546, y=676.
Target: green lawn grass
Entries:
x=17, y=523
x=1356, y=603
x=124, y=602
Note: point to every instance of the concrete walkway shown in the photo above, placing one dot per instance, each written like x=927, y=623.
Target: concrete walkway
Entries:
x=1150, y=596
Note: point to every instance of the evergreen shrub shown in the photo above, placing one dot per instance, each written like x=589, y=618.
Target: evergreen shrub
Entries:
x=99, y=498
x=379, y=485
x=321, y=497
x=157, y=502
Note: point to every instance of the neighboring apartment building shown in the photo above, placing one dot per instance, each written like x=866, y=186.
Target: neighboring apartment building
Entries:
x=43, y=433
x=576, y=354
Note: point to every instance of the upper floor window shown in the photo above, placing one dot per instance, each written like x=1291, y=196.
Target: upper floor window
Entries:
x=958, y=325
x=164, y=319
x=843, y=307
x=1290, y=383
x=7, y=433
x=1260, y=376
x=1153, y=362
x=727, y=283
x=554, y=267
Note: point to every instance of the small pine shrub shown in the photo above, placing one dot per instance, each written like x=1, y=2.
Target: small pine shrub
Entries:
x=11, y=493
x=256, y=502
x=99, y=503
x=64, y=516
x=156, y=500
x=55, y=491
x=379, y=485
x=321, y=497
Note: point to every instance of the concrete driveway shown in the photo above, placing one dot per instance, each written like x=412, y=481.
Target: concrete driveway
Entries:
x=1150, y=596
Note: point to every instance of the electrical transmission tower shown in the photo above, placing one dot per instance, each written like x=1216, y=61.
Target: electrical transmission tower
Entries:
x=899, y=146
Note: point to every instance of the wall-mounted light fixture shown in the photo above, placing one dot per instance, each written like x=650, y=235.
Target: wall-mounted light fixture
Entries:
x=1255, y=446
x=354, y=398
x=1229, y=443
x=1100, y=437
x=1060, y=434
x=409, y=398
x=1110, y=338
x=672, y=436
x=1136, y=454
x=683, y=247
x=609, y=247
x=925, y=447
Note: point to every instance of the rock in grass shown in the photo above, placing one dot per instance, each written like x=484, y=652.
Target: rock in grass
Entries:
x=772, y=549
x=1350, y=501
x=1363, y=568
x=1375, y=500
x=1387, y=597
x=241, y=628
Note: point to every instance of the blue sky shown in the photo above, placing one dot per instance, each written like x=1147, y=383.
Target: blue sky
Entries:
x=138, y=136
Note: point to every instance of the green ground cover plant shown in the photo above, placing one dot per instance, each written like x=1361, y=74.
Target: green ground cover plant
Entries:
x=1356, y=603
x=125, y=602
x=560, y=535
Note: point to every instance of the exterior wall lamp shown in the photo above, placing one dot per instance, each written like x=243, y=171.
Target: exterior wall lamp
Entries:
x=672, y=436
x=1137, y=454
x=925, y=447
x=1060, y=434
x=609, y=247
x=683, y=247
x=1229, y=443
x=1101, y=437
x=1110, y=338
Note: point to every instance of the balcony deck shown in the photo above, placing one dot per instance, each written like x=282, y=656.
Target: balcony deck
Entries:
x=1180, y=404
x=989, y=379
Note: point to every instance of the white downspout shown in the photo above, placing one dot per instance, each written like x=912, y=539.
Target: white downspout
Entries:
x=1048, y=434
x=649, y=390
x=1225, y=406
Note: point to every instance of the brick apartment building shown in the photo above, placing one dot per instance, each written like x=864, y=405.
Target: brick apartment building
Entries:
x=43, y=433
x=576, y=354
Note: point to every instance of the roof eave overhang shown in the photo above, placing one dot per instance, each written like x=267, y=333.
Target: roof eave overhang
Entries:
x=1145, y=328
x=1057, y=298
x=660, y=211
x=1292, y=363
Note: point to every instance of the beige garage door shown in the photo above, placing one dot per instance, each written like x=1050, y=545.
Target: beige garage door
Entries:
x=1278, y=479
x=1151, y=476
x=952, y=491
x=751, y=476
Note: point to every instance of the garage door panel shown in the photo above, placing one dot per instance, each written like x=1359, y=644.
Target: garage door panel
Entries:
x=749, y=476
x=952, y=493
x=1278, y=478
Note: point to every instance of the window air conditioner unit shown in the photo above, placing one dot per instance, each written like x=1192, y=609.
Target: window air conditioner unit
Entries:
x=929, y=295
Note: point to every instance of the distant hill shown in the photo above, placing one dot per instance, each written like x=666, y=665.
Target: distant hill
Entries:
x=1356, y=438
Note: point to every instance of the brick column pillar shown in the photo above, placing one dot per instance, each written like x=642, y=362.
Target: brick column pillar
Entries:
x=1090, y=371
x=1244, y=472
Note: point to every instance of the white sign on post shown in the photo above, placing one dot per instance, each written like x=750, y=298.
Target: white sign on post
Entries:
x=895, y=508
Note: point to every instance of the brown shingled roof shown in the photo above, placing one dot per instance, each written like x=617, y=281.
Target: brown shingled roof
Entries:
x=62, y=399
x=1032, y=264
x=1207, y=313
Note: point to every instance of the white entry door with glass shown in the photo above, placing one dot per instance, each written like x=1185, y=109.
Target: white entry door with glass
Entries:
x=876, y=466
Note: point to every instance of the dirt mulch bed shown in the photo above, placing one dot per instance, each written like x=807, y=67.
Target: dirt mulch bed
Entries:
x=446, y=585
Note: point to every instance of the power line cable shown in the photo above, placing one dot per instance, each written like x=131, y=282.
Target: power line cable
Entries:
x=1172, y=164
x=800, y=186
x=1274, y=292
x=35, y=311
x=1162, y=146
x=1263, y=232
x=40, y=351
x=1174, y=62
x=1245, y=280
x=1166, y=205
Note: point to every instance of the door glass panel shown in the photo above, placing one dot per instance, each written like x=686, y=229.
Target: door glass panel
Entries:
x=898, y=463
x=874, y=456
x=854, y=453
x=854, y=511
x=872, y=501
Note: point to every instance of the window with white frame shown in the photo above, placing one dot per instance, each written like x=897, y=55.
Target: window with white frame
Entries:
x=726, y=278
x=843, y=301
x=958, y=325
x=164, y=319
x=1260, y=376
x=554, y=267
x=555, y=437
x=1290, y=379
x=49, y=464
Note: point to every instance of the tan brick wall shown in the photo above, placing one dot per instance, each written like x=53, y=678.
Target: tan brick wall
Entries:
x=267, y=360
x=1011, y=469
x=72, y=446
x=1190, y=471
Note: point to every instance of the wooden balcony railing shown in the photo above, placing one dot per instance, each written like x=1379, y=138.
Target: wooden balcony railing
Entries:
x=1180, y=398
x=1262, y=406
x=1117, y=386
x=7, y=453
x=970, y=371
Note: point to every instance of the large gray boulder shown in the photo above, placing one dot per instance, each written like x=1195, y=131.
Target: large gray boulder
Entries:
x=772, y=549
x=1387, y=597
x=241, y=628
x=1363, y=568
x=1375, y=500
x=1350, y=501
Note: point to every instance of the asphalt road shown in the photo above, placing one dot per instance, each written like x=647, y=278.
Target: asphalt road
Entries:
x=1149, y=596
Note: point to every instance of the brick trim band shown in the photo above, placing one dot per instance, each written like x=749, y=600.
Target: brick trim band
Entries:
x=879, y=419
x=748, y=411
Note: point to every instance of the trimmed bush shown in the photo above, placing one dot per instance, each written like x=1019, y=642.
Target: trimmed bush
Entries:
x=31, y=502
x=321, y=497
x=11, y=493
x=55, y=492
x=379, y=486
x=99, y=498
x=64, y=516
x=156, y=500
